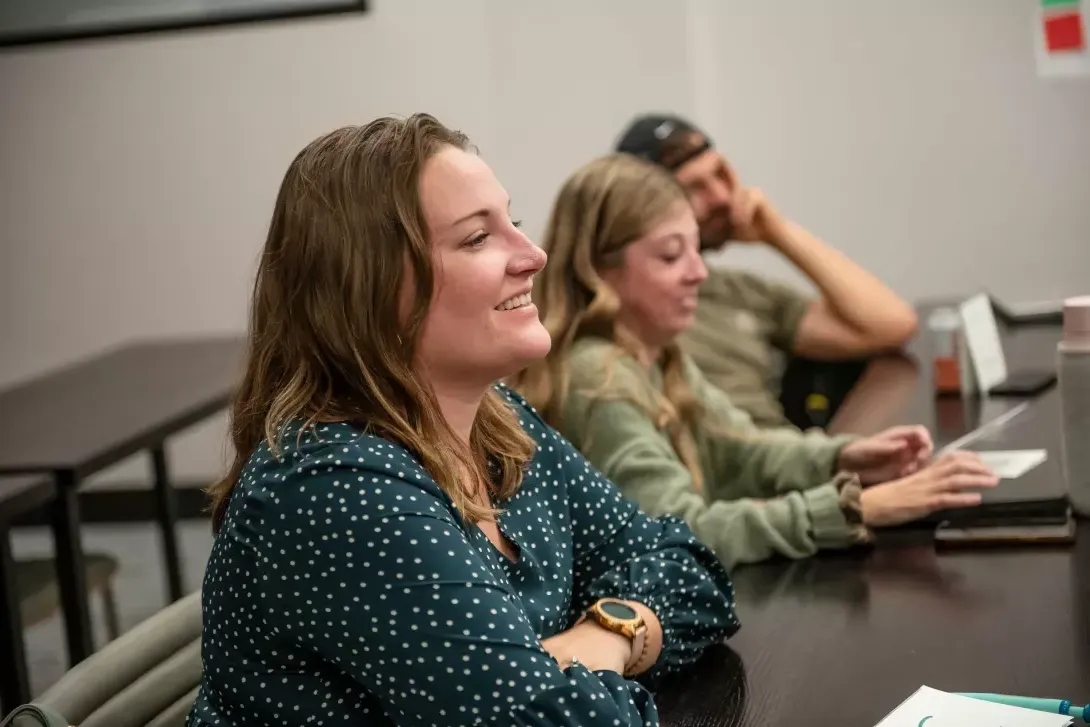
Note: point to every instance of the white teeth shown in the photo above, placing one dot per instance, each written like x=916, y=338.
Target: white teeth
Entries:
x=518, y=301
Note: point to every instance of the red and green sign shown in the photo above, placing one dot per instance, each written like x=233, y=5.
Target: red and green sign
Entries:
x=1064, y=26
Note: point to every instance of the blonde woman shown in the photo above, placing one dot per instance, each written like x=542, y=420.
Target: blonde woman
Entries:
x=620, y=287
x=400, y=541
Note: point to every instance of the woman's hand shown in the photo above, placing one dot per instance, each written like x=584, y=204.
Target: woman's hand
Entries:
x=941, y=485
x=896, y=452
x=594, y=647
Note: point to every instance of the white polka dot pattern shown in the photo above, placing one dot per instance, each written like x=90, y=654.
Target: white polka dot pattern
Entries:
x=344, y=590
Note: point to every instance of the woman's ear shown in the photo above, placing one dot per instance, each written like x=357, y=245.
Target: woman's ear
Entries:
x=611, y=276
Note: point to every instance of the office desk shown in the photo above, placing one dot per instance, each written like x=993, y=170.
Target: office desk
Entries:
x=91, y=415
x=843, y=638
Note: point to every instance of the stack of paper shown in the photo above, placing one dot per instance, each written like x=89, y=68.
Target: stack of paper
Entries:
x=1010, y=465
x=931, y=708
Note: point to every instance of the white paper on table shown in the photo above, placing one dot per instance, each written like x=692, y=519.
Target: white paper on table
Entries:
x=982, y=337
x=932, y=708
x=1013, y=464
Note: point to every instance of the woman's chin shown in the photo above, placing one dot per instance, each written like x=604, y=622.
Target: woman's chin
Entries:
x=684, y=321
x=537, y=345
x=531, y=347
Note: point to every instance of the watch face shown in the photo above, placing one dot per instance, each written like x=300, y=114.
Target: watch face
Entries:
x=617, y=610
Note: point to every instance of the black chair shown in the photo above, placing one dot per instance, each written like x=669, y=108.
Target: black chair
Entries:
x=812, y=391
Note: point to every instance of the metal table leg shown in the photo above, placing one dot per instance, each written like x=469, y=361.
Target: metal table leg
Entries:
x=14, y=682
x=71, y=573
x=167, y=517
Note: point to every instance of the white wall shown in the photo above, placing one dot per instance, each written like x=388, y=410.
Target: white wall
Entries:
x=137, y=175
x=916, y=136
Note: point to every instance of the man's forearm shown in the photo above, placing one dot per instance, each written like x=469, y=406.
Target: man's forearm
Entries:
x=854, y=295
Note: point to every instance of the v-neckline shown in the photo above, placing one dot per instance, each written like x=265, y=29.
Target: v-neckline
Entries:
x=507, y=541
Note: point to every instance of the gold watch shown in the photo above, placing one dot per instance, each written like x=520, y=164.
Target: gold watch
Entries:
x=617, y=616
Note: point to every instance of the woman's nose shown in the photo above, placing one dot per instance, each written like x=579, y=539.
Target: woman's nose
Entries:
x=528, y=259
x=698, y=271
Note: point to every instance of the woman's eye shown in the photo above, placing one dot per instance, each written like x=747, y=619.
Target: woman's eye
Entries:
x=517, y=223
x=477, y=240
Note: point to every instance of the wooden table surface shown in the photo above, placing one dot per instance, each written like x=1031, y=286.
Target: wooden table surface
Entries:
x=109, y=407
x=841, y=639
x=898, y=389
x=20, y=494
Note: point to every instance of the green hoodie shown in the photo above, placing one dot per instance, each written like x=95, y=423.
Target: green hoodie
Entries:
x=765, y=491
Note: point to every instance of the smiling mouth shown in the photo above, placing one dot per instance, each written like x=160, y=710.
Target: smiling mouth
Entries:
x=519, y=301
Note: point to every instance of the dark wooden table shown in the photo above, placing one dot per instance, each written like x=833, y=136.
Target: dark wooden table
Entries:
x=898, y=389
x=18, y=495
x=843, y=638
x=86, y=417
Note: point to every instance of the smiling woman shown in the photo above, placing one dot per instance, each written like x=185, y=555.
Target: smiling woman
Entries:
x=620, y=288
x=474, y=332
x=400, y=540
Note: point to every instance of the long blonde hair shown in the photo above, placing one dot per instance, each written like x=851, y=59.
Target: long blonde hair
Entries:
x=327, y=341
x=603, y=207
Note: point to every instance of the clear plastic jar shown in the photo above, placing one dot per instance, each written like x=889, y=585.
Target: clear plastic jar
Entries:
x=944, y=327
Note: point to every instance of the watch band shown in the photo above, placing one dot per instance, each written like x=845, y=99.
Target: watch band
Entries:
x=641, y=657
x=635, y=663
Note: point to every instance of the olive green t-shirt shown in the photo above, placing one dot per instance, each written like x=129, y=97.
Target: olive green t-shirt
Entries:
x=744, y=325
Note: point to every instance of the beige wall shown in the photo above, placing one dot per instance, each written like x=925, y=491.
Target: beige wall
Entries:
x=910, y=134
x=137, y=175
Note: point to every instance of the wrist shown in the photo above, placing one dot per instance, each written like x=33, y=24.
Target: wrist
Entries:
x=633, y=622
x=870, y=508
x=591, y=639
x=844, y=460
x=842, y=463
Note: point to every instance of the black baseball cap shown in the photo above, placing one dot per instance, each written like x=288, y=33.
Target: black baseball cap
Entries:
x=663, y=139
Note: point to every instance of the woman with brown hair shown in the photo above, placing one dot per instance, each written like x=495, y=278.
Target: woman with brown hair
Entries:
x=620, y=287
x=400, y=541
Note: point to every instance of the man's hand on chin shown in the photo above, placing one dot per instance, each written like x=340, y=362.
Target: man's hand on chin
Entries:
x=754, y=218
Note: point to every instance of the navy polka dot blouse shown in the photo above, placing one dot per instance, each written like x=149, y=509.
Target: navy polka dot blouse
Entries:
x=343, y=589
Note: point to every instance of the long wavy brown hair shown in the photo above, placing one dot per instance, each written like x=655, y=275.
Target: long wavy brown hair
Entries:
x=602, y=208
x=328, y=337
